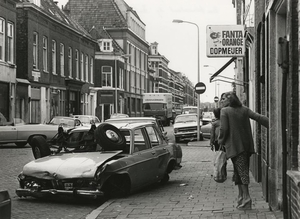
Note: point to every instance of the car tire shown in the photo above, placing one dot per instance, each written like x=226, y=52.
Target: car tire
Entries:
x=109, y=137
x=165, y=178
x=177, y=140
x=40, y=147
x=21, y=144
x=117, y=186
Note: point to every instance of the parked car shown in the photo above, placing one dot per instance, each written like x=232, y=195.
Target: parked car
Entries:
x=88, y=119
x=65, y=121
x=189, y=109
x=154, y=120
x=185, y=127
x=205, y=129
x=19, y=133
x=125, y=159
x=207, y=117
x=118, y=115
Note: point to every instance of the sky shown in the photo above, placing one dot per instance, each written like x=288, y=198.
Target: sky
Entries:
x=178, y=42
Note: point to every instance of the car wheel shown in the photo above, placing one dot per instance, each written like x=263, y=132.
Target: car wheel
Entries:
x=177, y=140
x=117, y=186
x=165, y=179
x=201, y=137
x=40, y=147
x=21, y=144
x=109, y=137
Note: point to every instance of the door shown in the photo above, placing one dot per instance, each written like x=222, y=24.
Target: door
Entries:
x=144, y=167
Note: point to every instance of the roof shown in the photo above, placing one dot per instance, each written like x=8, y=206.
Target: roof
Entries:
x=52, y=10
x=132, y=119
x=95, y=14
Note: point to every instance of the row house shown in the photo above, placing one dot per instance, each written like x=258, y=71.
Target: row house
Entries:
x=55, y=59
x=269, y=71
x=8, y=17
x=122, y=57
x=167, y=80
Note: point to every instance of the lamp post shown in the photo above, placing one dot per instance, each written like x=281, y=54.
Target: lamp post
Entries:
x=198, y=95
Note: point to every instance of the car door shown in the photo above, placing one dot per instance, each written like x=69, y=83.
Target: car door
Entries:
x=8, y=132
x=159, y=145
x=143, y=161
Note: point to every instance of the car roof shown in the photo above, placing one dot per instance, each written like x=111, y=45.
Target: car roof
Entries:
x=188, y=114
x=129, y=125
x=133, y=119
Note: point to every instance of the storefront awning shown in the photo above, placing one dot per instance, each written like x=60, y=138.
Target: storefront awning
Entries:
x=21, y=80
x=222, y=68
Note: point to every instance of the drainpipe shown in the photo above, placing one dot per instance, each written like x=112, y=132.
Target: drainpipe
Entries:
x=285, y=67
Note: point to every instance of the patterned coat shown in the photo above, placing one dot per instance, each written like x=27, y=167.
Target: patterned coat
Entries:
x=235, y=129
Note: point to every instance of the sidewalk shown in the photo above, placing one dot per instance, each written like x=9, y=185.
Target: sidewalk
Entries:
x=190, y=193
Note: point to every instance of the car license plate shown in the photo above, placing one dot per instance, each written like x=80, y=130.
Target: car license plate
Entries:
x=68, y=186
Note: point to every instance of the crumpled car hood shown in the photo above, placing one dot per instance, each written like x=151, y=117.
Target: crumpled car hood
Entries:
x=182, y=125
x=67, y=165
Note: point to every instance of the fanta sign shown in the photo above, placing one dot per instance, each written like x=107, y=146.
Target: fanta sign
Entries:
x=225, y=41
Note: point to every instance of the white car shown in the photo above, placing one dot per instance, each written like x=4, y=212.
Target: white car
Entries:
x=19, y=133
x=185, y=127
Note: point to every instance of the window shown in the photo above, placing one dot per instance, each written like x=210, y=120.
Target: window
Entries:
x=82, y=67
x=106, y=45
x=139, y=141
x=35, y=50
x=62, y=60
x=2, y=38
x=121, y=78
x=45, y=54
x=92, y=70
x=106, y=76
x=10, y=42
x=70, y=63
x=77, y=63
x=86, y=68
x=153, y=136
x=53, y=56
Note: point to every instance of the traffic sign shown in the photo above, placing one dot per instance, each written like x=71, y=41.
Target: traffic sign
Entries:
x=216, y=99
x=200, y=88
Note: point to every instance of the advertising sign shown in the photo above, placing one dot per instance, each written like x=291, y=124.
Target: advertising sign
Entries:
x=225, y=41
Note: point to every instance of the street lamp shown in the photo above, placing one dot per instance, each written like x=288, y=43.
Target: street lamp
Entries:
x=198, y=101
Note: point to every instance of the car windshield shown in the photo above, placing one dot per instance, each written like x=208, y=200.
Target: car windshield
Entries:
x=189, y=110
x=88, y=119
x=187, y=118
x=62, y=120
x=154, y=106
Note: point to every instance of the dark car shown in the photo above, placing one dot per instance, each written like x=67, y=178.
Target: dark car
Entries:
x=119, y=160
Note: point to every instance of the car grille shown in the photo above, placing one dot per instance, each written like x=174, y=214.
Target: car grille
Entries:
x=188, y=129
x=67, y=184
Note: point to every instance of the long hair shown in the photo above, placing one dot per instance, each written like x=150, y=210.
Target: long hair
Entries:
x=234, y=101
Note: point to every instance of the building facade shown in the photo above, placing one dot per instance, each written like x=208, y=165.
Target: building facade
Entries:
x=55, y=59
x=8, y=66
x=270, y=68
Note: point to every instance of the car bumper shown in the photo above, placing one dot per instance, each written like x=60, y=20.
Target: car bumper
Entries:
x=187, y=136
x=46, y=192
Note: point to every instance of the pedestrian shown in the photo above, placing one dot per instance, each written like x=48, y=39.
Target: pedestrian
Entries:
x=215, y=129
x=236, y=136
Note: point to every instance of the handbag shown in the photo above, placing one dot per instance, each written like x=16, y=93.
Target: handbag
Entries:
x=220, y=163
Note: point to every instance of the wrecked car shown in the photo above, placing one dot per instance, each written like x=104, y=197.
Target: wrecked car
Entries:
x=120, y=159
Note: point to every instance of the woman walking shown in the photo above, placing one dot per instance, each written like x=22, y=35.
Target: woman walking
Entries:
x=236, y=136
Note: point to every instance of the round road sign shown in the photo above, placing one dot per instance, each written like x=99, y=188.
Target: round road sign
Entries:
x=216, y=99
x=200, y=88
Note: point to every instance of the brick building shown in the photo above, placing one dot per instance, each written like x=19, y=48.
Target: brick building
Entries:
x=7, y=59
x=55, y=59
x=270, y=68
